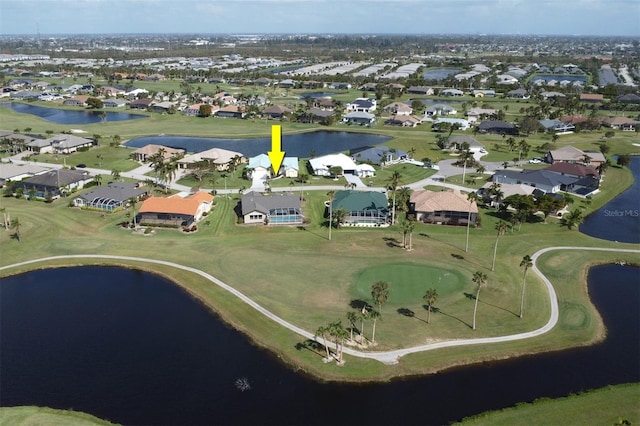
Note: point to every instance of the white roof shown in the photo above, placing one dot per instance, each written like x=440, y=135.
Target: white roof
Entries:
x=332, y=160
x=365, y=167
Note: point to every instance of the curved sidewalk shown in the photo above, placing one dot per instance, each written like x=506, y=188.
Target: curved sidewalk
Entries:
x=386, y=357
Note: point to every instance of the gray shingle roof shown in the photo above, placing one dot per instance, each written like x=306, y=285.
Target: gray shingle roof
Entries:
x=256, y=201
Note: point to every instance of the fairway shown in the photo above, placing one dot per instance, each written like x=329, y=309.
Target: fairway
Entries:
x=408, y=282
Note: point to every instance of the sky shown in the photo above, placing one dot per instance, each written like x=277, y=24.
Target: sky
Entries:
x=544, y=17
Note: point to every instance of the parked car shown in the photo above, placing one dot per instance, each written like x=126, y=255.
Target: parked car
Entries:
x=80, y=166
x=535, y=161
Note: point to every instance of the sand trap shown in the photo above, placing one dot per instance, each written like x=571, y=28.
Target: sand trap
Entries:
x=77, y=131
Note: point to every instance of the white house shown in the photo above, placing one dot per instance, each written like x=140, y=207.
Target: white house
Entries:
x=320, y=166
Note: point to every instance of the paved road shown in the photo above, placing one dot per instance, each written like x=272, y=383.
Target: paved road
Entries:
x=386, y=357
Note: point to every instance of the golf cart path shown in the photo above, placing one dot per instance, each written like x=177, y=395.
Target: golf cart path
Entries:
x=386, y=357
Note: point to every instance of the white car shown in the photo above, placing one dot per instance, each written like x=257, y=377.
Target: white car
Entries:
x=535, y=161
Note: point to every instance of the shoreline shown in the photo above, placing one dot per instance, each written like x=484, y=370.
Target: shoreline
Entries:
x=277, y=351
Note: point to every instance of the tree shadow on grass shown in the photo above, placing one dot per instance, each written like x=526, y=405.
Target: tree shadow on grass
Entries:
x=360, y=305
x=409, y=314
x=311, y=345
x=392, y=242
x=305, y=229
x=435, y=310
x=473, y=297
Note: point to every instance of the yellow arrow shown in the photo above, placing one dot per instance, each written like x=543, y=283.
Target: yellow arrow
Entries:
x=276, y=155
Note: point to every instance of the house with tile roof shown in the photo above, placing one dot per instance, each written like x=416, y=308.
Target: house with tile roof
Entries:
x=621, y=123
x=281, y=208
x=570, y=154
x=403, y=121
x=398, y=108
x=175, y=211
x=365, y=208
x=276, y=112
x=443, y=207
x=146, y=152
x=218, y=157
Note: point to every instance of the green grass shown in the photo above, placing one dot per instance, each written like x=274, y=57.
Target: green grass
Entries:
x=407, y=283
x=607, y=406
x=34, y=416
x=306, y=279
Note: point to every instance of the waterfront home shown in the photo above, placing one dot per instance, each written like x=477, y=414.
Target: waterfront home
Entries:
x=570, y=154
x=146, y=152
x=378, y=154
x=443, y=207
x=360, y=118
x=321, y=166
x=219, y=158
x=279, y=208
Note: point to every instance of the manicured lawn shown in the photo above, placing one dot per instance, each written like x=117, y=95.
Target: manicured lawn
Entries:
x=28, y=415
x=408, y=283
x=607, y=406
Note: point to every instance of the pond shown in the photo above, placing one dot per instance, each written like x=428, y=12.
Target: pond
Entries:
x=133, y=348
x=298, y=145
x=440, y=73
x=619, y=219
x=63, y=116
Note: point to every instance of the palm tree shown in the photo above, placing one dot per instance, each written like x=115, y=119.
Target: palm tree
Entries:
x=339, y=216
x=15, y=224
x=501, y=227
x=339, y=334
x=97, y=179
x=352, y=317
x=115, y=174
x=330, y=194
x=393, y=181
x=480, y=279
x=573, y=219
x=472, y=197
x=380, y=293
x=374, y=315
x=430, y=296
x=132, y=202
x=526, y=263
x=322, y=331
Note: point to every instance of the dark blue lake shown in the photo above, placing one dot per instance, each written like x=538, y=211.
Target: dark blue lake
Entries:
x=298, y=145
x=618, y=220
x=133, y=348
x=63, y=116
x=440, y=73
